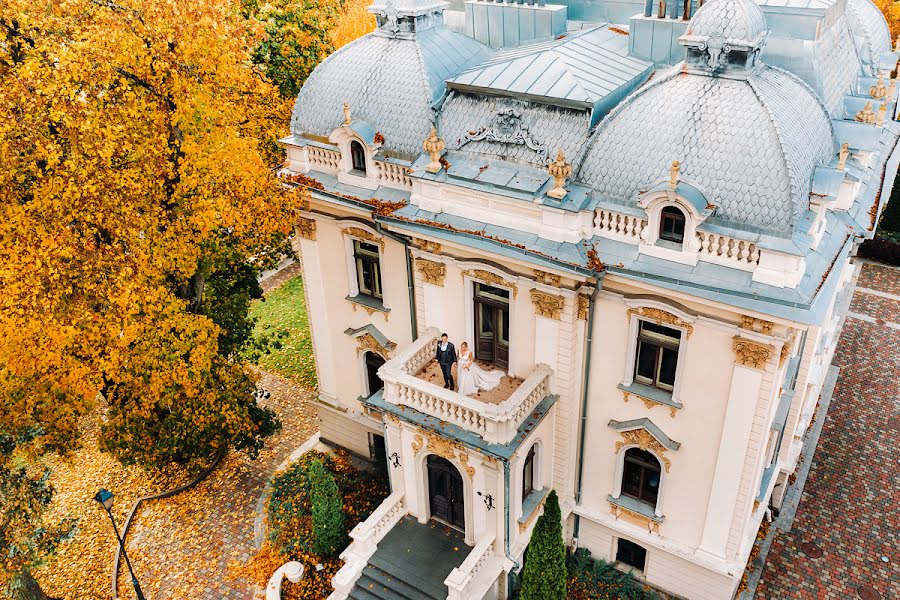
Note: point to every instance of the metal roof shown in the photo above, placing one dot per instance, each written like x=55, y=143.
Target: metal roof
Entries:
x=580, y=69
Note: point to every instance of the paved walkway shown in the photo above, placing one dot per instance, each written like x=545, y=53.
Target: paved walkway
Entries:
x=846, y=535
x=190, y=546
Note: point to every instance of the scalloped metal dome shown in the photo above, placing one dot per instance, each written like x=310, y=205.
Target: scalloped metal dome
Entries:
x=752, y=144
x=732, y=20
x=870, y=30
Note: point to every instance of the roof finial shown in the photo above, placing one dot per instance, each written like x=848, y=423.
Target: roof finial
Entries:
x=878, y=91
x=559, y=170
x=433, y=146
x=843, y=155
x=866, y=115
x=882, y=111
x=346, y=113
x=674, y=174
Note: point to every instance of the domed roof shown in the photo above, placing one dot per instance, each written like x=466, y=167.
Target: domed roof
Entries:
x=870, y=30
x=732, y=20
x=751, y=143
x=390, y=82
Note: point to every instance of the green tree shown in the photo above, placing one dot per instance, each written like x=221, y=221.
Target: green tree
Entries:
x=327, y=511
x=544, y=576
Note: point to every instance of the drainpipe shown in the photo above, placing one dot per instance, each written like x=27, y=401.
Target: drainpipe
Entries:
x=413, y=326
x=584, y=404
x=509, y=576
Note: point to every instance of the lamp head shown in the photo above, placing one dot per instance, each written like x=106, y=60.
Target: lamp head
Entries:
x=104, y=497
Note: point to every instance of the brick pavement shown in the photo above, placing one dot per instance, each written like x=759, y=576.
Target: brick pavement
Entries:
x=189, y=547
x=850, y=506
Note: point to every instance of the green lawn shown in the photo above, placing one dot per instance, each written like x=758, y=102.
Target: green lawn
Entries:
x=282, y=316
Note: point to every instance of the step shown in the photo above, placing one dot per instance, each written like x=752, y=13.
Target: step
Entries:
x=405, y=589
x=429, y=589
x=361, y=593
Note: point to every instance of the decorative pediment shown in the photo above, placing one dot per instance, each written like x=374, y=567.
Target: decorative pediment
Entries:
x=507, y=127
x=370, y=339
x=444, y=448
x=491, y=278
x=644, y=434
x=362, y=234
x=661, y=317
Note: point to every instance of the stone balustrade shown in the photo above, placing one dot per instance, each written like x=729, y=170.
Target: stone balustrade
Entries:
x=393, y=173
x=495, y=423
x=728, y=251
x=322, y=159
x=475, y=576
x=612, y=224
x=365, y=537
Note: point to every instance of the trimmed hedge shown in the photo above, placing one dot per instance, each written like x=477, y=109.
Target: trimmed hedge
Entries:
x=592, y=579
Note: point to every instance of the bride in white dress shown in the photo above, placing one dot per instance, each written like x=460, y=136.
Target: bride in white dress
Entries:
x=473, y=378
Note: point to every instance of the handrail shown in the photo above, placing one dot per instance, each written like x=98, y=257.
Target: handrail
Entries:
x=462, y=582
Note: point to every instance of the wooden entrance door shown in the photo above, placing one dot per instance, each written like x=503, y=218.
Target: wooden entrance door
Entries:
x=445, y=492
x=492, y=325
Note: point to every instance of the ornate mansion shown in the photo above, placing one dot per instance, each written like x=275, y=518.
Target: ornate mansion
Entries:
x=642, y=213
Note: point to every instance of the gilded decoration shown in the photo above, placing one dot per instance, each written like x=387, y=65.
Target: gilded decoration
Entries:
x=547, y=278
x=661, y=317
x=785, y=353
x=362, y=234
x=547, y=305
x=644, y=440
x=492, y=278
x=369, y=310
x=649, y=403
x=306, y=228
x=759, y=325
x=368, y=343
x=584, y=303
x=429, y=246
x=749, y=353
x=444, y=448
x=633, y=517
x=432, y=272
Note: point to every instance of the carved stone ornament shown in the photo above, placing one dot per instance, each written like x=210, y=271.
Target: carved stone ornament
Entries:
x=444, y=448
x=674, y=174
x=559, y=170
x=391, y=17
x=843, y=155
x=362, y=234
x=749, y=353
x=547, y=278
x=635, y=518
x=492, y=278
x=584, y=303
x=306, y=228
x=866, y=115
x=432, y=272
x=367, y=343
x=661, y=317
x=759, y=325
x=644, y=440
x=434, y=146
x=879, y=91
x=547, y=305
x=648, y=402
x=785, y=353
x=429, y=246
x=882, y=112
x=507, y=127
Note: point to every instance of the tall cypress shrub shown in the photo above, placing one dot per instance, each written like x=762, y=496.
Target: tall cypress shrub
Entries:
x=544, y=576
x=327, y=511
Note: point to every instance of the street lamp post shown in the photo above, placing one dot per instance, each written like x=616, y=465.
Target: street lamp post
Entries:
x=105, y=498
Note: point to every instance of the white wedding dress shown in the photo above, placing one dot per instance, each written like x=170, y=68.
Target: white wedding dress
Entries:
x=474, y=379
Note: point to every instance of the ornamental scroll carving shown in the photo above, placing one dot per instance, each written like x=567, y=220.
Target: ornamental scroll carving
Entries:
x=362, y=234
x=492, y=278
x=644, y=440
x=507, y=127
x=444, y=448
x=635, y=518
x=547, y=278
x=584, y=303
x=432, y=272
x=547, y=305
x=429, y=246
x=749, y=353
x=306, y=228
x=750, y=324
x=785, y=353
x=368, y=343
x=661, y=317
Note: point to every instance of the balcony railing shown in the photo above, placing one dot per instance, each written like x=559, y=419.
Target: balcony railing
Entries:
x=475, y=576
x=495, y=423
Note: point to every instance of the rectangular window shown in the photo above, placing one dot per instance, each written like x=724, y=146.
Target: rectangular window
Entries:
x=528, y=474
x=657, y=355
x=631, y=554
x=368, y=269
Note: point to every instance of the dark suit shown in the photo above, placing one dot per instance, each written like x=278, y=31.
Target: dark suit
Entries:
x=446, y=358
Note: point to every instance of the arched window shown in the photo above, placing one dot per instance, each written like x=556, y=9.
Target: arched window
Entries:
x=358, y=157
x=671, y=225
x=528, y=473
x=641, y=476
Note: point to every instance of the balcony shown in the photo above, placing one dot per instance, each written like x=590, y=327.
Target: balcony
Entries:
x=409, y=381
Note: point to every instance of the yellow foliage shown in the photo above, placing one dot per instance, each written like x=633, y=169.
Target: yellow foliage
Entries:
x=354, y=21
x=891, y=11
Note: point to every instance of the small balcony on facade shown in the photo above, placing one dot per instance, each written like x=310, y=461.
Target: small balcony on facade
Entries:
x=412, y=380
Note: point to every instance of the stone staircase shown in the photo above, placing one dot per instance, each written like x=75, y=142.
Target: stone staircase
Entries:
x=378, y=584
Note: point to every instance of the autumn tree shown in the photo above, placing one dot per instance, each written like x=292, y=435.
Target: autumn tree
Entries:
x=544, y=576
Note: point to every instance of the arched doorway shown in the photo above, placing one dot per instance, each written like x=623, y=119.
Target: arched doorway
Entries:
x=373, y=363
x=445, y=492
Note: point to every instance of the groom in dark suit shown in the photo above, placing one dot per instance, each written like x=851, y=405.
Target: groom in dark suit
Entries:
x=446, y=356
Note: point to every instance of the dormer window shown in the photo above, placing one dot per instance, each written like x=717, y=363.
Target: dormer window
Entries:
x=671, y=225
x=358, y=157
